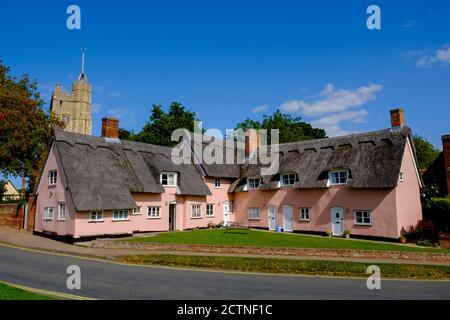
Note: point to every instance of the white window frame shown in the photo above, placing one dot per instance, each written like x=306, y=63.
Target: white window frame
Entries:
x=338, y=172
x=305, y=214
x=49, y=213
x=53, y=177
x=153, y=212
x=137, y=210
x=61, y=216
x=196, y=211
x=168, y=175
x=217, y=183
x=254, y=213
x=368, y=214
x=290, y=181
x=253, y=183
x=121, y=215
x=210, y=210
x=96, y=216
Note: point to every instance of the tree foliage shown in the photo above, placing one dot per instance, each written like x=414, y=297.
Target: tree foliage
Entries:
x=291, y=128
x=25, y=128
x=161, y=124
x=426, y=153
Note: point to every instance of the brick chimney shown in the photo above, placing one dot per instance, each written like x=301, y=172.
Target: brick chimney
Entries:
x=251, y=142
x=397, y=118
x=446, y=152
x=110, y=128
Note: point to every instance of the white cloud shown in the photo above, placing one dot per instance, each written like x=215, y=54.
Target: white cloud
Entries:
x=114, y=94
x=332, y=100
x=331, y=123
x=260, y=109
x=438, y=57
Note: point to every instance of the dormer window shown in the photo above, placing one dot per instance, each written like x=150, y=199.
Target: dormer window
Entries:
x=288, y=180
x=338, y=177
x=169, y=179
x=253, y=183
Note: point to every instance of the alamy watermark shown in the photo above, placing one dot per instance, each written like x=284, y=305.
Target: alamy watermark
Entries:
x=74, y=279
x=238, y=147
x=73, y=22
x=374, y=280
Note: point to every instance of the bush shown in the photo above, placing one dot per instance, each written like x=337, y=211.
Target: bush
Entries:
x=426, y=243
x=438, y=211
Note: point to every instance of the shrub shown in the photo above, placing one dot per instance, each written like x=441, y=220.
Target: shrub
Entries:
x=438, y=211
x=426, y=243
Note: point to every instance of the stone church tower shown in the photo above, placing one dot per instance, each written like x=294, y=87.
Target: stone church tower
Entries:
x=74, y=110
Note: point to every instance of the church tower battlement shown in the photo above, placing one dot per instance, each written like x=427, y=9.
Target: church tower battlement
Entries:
x=74, y=110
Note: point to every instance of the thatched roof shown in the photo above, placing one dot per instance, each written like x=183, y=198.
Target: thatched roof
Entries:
x=373, y=160
x=102, y=175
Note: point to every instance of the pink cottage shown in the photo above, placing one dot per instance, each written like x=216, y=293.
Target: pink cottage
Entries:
x=94, y=187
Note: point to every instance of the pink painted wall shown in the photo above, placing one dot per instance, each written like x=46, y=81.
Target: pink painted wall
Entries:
x=320, y=202
x=409, y=207
x=51, y=196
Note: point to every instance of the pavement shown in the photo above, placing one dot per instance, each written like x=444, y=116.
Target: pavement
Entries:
x=24, y=239
x=102, y=279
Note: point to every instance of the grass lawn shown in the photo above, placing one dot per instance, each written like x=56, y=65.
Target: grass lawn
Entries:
x=271, y=239
x=324, y=268
x=12, y=293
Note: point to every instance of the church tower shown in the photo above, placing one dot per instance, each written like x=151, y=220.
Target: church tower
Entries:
x=74, y=110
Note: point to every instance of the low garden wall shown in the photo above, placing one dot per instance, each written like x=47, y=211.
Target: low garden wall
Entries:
x=337, y=253
x=11, y=216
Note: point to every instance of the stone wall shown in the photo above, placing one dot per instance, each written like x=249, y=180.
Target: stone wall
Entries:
x=306, y=252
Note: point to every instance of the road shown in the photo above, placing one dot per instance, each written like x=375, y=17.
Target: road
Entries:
x=104, y=280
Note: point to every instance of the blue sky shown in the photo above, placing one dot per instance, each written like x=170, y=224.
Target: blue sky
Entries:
x=228, y=60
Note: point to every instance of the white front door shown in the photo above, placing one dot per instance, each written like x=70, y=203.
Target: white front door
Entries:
x=226, y=213
x=337, y=221
x=272, y=218
x=287, y=218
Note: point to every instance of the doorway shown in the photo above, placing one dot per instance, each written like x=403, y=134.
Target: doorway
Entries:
x=337, y=221
x=172, y=216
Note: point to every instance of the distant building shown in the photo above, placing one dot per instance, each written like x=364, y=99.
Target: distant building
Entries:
x=438, y=174
x=74, y=110
x=11, y=193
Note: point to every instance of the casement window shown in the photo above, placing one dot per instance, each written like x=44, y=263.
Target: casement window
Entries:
x=288, y=179
x=217, y=183
x=209, y=210
x=402, y=177
x=338, y=177
x=61, y=211
x=154, y=212
x=363, y=218
x=52, y=177
x=120, y=215
x=169, y=179
x=196, y=211
x=49, y=213
x=253, y=213
x=304, y=214
x=137, y=210
x=96, y=216
x=253, y=183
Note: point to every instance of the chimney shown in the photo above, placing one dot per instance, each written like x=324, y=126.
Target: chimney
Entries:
x=251, y=142
x=110, y=128
x=397, y=118
x=446, y=153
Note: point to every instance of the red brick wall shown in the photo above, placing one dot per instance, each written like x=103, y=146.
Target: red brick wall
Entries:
x=110, y=128
x=11, y=216
x=446, y=146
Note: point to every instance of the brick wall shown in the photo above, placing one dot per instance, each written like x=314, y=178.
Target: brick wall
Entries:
x=11, y=216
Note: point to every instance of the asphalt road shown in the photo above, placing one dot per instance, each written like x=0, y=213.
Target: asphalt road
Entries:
x=105, y=280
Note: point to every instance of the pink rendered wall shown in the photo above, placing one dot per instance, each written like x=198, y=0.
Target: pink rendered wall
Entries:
x=218, y=197
x=409, y=207
x=320, y=201
x=51, y=196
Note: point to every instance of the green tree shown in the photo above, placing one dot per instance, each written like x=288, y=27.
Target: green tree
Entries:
x=160, y=126
x=2, y=189
x=291, y=128
x=426, y=152
x=25, y=128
